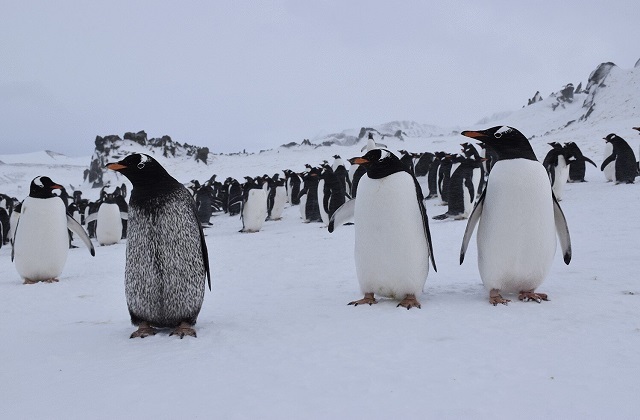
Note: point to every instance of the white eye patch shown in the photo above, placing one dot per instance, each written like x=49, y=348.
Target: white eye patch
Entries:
x=38, y=182
x=384, y=154
x=504, y=130
x=143, y=160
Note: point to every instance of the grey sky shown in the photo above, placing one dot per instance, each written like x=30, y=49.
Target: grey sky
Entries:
x=248, y=74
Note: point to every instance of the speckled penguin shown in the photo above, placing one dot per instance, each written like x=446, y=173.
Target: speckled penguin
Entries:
x=167, y=259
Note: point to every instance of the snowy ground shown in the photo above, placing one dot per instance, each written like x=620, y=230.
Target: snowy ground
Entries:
x=276, y=338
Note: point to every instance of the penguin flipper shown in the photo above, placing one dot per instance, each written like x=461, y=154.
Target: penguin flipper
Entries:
x=344, y=214
x=563, y=231
x=471, y=225
x=586, y=159
x=124, y=215
x=91, y=218
x=425, y=218
x=607, y=161
x=76, y=228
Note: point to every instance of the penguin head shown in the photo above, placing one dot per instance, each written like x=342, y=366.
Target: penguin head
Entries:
x=379, y=163
x=42, y=187
x=506, y=141
x=612, y=138
x=140, y=169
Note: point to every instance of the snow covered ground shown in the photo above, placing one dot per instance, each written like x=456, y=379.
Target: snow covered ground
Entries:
x=276, y=338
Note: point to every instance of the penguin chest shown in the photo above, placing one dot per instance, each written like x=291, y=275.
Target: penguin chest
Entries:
x=391, y=252
x=41, y=239
x=516, y=232
x=109, y=227
x=254, y=210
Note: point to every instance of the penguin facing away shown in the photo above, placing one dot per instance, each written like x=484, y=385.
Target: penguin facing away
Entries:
x=41, y=239
x=518, y=217
x=166, y=257
x=392, y=239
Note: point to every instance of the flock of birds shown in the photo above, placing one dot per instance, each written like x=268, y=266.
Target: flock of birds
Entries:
x=502, y=189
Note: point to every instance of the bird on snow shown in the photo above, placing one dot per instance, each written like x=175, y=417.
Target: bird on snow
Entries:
x=166, y=256
x=392, y=238
x=518, y=217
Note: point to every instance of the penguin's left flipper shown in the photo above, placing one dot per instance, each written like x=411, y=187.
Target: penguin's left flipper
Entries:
x=563, y=231
x=124, y=215
x=586, y=159
x=76, y=228
x=471, y=225
x=344, y=214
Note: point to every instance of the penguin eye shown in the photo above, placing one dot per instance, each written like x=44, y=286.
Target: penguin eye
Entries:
x=140, y=165
x=502, y=131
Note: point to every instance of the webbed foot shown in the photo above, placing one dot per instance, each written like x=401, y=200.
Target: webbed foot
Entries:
x=409, y=302
x=367, y=299
x=495, y=298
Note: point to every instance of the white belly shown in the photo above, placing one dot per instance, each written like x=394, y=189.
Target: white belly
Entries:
x=610, y=169
x=278, y=203
x=255, y=210
x=109, y=226
x=41, y=240
x=391, y=251
x=516, y=233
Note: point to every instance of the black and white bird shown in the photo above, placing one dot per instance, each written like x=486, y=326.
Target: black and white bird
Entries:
x=41, y=238
x=166, y=259
x=392, y=238
x=518, y=218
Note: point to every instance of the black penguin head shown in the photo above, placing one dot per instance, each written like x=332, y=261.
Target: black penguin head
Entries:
x=42, y=187
x=612, y=138
x=142, y=170
x=379, y=163
x=506, y=141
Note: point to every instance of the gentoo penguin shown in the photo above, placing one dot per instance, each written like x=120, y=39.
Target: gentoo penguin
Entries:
x=555, y=162
x=609, y=170
x=462, y=190
x=432, y=176
x=109, y=219
x=517, y=217
x=254, y=206
x=331, y=194
x=423, y=163
x=371, y=144
x=234, y=201
x=407, y=160
x=479, y=173
x=392, y=238
x=341, y=172
x=309, y=206
x=293, y=186
x=166, y=257
x=576, y=160
x=41, y=241
x=626, y=167
x=279, y=198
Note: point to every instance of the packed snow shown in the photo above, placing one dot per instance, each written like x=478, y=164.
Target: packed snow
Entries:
x=276, y=338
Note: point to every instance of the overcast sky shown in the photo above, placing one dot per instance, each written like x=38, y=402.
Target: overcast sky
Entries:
x=255, y=74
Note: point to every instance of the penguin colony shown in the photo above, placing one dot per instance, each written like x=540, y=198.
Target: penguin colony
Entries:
x=504, y=191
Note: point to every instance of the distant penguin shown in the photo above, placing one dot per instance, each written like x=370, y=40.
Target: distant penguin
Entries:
x=555, y=162
x=444, y=175
x=626, y=167
x=392, y=239
x=254, y=206
x=576, y=160
x=407, y=160
x=293, y=187
x=371, y=144
x=204, y=203
x=279, y=200
x=234, y=203
x=432, y=175
x=109, y=220
x=423, y=163
x=310, y=208
x=479, y=171
x=517, y=217
x=342, y=174
x=166, y=259
x=331, y=194
x=6, y=207
x=462, y=190
x=41, y=241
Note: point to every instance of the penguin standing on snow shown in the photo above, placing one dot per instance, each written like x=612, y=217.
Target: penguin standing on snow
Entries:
x=576, y=160
x=254, y=206
x=555, y=162
x=167, y=260
x=462, y=190
x=517, y=217
x=109, y=219
x=41, y=241
x=392, y=238
x=625, y=166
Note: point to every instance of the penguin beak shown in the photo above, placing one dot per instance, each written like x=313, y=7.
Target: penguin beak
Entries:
x=116, y=166
x=479, y=135
x=56, y=187
x=358, y=161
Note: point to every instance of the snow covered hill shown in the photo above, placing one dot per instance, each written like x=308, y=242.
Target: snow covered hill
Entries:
x=276, y=338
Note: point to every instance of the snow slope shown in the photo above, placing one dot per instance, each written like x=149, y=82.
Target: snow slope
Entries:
x=276, y=338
